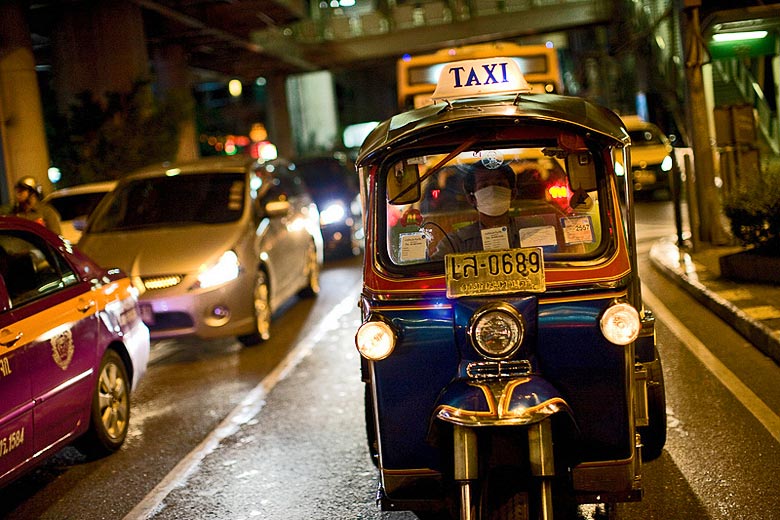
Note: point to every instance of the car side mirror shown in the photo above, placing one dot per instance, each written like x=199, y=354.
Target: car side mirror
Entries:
x=277, y=208
x=80, y=223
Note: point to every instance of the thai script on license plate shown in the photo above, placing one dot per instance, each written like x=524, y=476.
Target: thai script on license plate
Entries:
x=494, y=272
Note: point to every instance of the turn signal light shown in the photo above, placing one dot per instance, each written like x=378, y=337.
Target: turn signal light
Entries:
x=620, y=324
x=375, y=340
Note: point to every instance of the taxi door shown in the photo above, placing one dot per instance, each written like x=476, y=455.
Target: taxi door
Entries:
x=56, y=314
x=16, y=433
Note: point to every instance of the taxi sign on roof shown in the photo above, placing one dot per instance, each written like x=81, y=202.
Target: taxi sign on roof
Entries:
x=483, y=77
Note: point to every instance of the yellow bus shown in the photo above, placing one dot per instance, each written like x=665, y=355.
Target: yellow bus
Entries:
x=417, y=75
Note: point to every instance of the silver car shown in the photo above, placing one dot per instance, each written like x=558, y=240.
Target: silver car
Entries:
x=74, y=204
x=214, y=246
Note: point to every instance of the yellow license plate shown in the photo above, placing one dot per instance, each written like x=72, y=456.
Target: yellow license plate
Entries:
x=494, y=272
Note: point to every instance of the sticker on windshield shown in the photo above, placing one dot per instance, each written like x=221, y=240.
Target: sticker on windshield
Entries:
x=538, y=236
x=577, y=230
x=494, y=239
x=414, y=246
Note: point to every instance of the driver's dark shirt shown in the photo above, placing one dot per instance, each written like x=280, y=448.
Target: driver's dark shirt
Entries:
x=469, y=238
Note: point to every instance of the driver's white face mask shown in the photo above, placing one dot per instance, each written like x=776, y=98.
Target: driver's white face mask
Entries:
x=493, y=200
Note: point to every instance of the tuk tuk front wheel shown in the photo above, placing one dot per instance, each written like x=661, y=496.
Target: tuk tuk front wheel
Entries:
x=508, y=494
x=654, y=434
x=371, y=438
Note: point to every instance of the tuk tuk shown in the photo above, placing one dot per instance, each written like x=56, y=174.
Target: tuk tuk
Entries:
x=510, y=367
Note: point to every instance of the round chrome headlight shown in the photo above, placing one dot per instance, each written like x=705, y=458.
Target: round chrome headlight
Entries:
x=620, y=324
x=375, y=340
x=497, y=330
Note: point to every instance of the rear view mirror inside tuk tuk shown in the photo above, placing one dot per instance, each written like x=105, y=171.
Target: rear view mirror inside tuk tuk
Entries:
x=581, y=170
x=403, y=184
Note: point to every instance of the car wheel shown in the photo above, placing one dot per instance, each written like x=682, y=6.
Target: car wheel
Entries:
x=110, y=413
x=262, y=310
x=312, y=273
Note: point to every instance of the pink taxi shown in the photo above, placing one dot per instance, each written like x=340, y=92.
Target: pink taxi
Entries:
x=72, y=348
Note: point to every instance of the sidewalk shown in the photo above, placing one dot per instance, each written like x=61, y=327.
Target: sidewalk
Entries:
x=752, y=309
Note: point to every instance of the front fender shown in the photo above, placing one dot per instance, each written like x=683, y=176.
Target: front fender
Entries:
x=516, y=402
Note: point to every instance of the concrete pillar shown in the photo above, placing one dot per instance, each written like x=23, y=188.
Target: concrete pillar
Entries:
x=775, y=132
x=174, y=85
x=279, y=127
x=98, y=47
x=24, y=148
x=708, y=212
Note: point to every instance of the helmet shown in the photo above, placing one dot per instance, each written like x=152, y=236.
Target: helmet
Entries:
x=29, y=183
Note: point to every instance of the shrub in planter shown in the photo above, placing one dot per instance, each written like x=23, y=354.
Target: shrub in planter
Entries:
x=754, y=213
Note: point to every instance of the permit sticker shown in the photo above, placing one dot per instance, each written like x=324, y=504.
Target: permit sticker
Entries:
x=414, y=246
x=494, y=239
x=577, y=230
x=538, y=236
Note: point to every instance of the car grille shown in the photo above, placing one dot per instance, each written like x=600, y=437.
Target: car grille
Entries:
x=171, y=321
x=495, y=369
x=162, y=282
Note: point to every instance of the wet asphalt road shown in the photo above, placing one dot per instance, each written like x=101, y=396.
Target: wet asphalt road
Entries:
x=222, y=432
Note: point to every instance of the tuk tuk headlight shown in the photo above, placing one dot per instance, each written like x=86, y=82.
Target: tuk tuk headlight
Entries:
x=497, y=330
x=375, y=340
x=620, y=324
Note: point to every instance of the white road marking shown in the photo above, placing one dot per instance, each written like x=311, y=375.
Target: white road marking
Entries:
x=249, y=407
x=744, y=395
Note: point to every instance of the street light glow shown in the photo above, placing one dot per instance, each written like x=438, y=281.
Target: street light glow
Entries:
x=736, y=36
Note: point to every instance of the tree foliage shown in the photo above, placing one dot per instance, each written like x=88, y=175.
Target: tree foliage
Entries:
x=98, y=140
x=754, y=213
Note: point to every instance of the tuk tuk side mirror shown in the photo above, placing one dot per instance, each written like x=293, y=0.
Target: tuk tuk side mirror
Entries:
x=403, y=183
x=581, y=170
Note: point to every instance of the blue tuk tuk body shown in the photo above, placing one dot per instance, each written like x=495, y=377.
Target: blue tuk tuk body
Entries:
x=498, y=376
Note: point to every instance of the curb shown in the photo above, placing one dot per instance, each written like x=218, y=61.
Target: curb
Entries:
x=677, y=265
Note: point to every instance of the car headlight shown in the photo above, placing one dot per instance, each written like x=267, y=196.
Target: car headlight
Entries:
x=333, y=212
x=225, y=270
x=497, y=330
x=375, y=340
x=620, y=324
x=666, y=164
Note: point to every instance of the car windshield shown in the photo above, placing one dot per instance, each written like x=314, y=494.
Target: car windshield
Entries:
x=71, y=206
x=203, y=198
x=645, y=137
x=531, y=196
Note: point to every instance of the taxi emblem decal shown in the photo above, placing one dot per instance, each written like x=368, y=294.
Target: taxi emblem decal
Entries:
x=62, y=349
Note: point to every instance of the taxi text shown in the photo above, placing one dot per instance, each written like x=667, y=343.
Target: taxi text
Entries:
x=474, y=76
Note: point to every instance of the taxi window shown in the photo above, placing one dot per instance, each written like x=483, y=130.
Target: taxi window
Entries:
x=31, y=269
x=493, y=199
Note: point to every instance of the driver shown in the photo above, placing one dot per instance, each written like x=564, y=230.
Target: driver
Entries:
x=490, y=191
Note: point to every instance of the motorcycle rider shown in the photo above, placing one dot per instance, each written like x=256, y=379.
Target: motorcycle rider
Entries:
x=29, y=204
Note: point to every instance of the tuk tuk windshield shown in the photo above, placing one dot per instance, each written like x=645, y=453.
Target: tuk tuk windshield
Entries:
x=479, y=199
